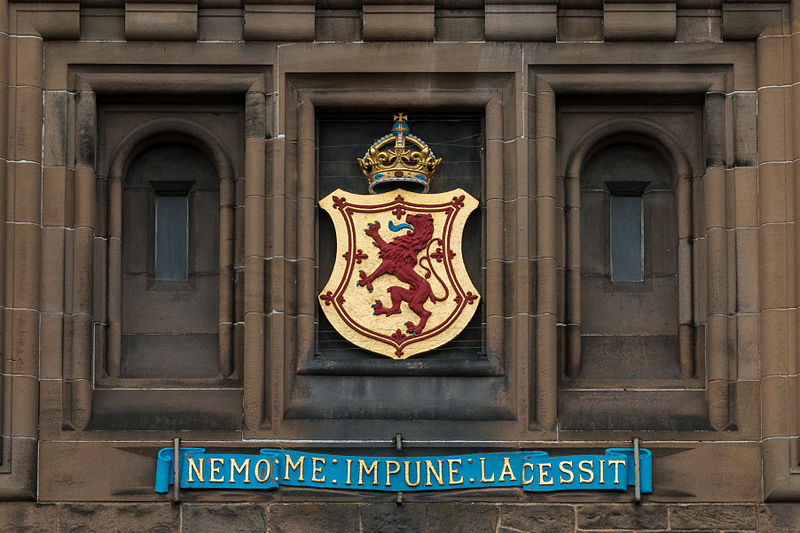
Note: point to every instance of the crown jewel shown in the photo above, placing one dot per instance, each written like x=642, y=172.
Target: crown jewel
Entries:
x=399, y=157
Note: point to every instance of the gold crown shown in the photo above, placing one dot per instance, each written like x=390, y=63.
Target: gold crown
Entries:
x=410, y=160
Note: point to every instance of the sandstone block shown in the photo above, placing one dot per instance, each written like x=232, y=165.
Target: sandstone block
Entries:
x=712, y=517
x=475, y=518
x=220, y=24
x=744, y=21
x=17, y=516
x=125, y=517
x=409, y=21
x=224, y=517
x=460, y=24
x=169, y=21
x=699, y=25
x=279, y=21
x=102, y=24
x=655, y=21
x=612, y=516
x=533, y=518
x=778, y=518
x=512, y=21
x=311, y=517
x=392, y=518
x=338, y=24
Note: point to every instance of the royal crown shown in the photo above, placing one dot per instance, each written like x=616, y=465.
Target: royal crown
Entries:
x=408, y=160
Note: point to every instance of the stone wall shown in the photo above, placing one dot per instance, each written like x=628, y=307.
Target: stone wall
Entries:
x=405, y=518
x=711, y=86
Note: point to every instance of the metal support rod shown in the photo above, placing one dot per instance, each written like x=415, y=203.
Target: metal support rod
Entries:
x=637, y=475
x=399, y=500
x=176, y=470
x=398, y=441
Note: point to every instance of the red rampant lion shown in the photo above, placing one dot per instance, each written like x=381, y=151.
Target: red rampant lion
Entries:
x=399, y=259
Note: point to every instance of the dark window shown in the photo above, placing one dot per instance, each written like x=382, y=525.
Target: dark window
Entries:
x=172, y=237
x=626, y=237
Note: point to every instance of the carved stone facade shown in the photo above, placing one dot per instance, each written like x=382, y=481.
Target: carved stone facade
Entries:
x=566, y=119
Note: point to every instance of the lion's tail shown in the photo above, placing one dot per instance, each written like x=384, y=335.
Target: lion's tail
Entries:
x=430, y=270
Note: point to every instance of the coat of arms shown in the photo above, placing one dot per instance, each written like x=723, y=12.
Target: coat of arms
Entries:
x=399, y=286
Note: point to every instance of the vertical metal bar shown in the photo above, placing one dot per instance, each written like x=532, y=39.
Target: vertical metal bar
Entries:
x=637, y=475
x=176, y=471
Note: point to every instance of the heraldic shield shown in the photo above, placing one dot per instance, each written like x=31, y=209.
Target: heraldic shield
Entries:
x=399, y=286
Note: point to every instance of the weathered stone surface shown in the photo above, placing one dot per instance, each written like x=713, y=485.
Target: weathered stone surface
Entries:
x=174, y=21
x=622, y=516
x=312, y=518
x=407, y=21
x=279, y=21
x=392, y=518
x=16, y=516
x=117, y=517
x=464, y=518
x=712, y=517
x=779, y=518
x=538, y=518
x=469, y=64
x=224, y=517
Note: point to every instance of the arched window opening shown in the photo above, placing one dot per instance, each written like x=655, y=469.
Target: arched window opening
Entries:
x=629, y=264
x=170, y=264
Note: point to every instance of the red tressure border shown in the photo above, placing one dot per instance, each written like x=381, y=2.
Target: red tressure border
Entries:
x=462, y=299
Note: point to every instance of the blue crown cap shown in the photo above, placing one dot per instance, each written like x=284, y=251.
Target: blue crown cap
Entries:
x=400, y=125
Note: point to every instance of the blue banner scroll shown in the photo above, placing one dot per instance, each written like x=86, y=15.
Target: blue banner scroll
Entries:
x=534, y=471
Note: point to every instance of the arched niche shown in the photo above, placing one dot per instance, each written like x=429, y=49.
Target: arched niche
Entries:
x=628, y=287
x=175, y=324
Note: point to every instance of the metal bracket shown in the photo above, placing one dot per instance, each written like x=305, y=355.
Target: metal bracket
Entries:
x=637, y=475
x=398, y=445
x=176, y=471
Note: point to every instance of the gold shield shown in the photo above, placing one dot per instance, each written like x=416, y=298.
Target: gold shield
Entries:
x=399, y=286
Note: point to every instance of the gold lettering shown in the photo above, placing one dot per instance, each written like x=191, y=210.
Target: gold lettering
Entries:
x=294, y=466
x=419, y=475
x=362, y=469
x=267, y=470
x=571, y=477
x=454, y=471
x=317, y=469
x=430, y=468
x=349, y=462
x=602, y=472
x=507, y=470
x=239, y=469
x=589, y=471
x=390, y=471
x=198, y=469
x=484, y=479
x=542, y=473
x=529, y=480
x=615, y=463
x=216, y=466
